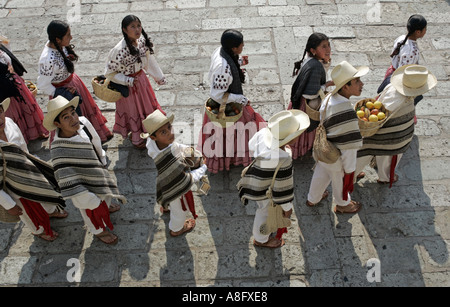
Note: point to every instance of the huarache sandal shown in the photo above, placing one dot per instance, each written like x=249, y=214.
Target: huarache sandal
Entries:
x=188, y=226
x=114, y=208
x=48, y=238
x=351, y=208
x=324, y=196
x=108, y=238
x=59, y=215
x=272, y=243
x=387, y=182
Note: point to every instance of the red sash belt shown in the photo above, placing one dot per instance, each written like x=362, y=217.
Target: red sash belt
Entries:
x=100, y=216
x=65, y=82
x=37, y=215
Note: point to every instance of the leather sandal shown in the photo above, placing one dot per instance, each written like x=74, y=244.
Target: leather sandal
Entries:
x=104, y=238
x=48, y=238
x=324, y=196
x=188, y=226
x=387, y=182
x=59, y=214
x=114, y=208
x=353, y=204
x=271, y=243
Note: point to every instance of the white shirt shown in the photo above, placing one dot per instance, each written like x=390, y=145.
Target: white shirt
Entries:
x=87, y=200
x=121, y=63
x=409, y=53
x=14, y=136
x=51, y=70
x=220, y=78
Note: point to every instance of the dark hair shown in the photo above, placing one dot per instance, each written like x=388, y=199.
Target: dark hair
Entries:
x=58, y=29
x=415, y=23
x=133, y=50
x=314, y=41
x=233, y=39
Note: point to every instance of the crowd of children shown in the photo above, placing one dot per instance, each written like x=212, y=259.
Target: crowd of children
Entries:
x=77, y=128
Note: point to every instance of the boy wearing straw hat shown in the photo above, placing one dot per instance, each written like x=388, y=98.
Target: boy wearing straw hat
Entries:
x=395, y=136
x=19, y=196
x=79, y=161
x=175, y=177
x=341, y=124
x=272, y=170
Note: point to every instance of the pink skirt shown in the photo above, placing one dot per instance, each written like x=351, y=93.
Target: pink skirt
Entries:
x=88, y=107
x=306, y=140
x=132, y=110
x=224, y=147
x=27, y=114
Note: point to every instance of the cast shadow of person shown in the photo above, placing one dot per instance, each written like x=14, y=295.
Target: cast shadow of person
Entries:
x=404, y=223
x=236, y=261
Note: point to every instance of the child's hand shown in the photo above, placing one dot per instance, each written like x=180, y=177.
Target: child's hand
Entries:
x=287, y=214
x=15, y=211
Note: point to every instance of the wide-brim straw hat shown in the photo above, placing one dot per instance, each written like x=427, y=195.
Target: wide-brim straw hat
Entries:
x=345, y=72
x=5, y=104
x=285, y=126
x=413, y=80
x=55, y=107
x=155, y=121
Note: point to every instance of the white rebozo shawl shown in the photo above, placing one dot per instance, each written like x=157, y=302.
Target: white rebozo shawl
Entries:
x=78, y=171
x=27, y=176
x=174, y=178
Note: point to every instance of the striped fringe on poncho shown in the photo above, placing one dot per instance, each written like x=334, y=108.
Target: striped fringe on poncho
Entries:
x=174, y=179
x=395, y=136
x=28, y=177
x=79, y=171
x=342, y=127
x=257, y=180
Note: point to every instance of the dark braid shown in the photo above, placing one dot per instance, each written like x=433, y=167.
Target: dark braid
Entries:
x=415, y=23
x=232, y=39
x=58, y=29
x=314, y=41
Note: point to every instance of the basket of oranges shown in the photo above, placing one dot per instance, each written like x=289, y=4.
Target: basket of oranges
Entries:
x=371, y=116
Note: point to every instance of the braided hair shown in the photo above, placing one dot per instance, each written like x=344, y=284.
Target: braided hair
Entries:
x=415, y=23
x=58, y=29
x=314, y=41
x=232, y=39
x=133, y=50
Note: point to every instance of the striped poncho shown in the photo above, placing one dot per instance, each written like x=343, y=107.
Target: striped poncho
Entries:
x=257, y=177
x=174, y=178
x=28, y=177
x=341, y=123
x=395, y=136
x=78, y=171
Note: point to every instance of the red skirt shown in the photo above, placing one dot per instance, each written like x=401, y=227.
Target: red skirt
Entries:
x=306, y=140
x=26, y=114
x=88, y=107
x=132, y=110
x=224, y=147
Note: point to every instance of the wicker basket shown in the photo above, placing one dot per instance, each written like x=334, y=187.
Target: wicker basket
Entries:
x=32, y=87
x=313, y=114
x=103, y=92
x=220, y=118
x=370, y=128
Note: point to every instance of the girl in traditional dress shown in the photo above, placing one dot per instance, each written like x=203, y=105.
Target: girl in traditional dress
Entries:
x=224, y=147
x=36, y=216
x=24, y=109
x=57, y=76
x=128, y=64
x=310, y=83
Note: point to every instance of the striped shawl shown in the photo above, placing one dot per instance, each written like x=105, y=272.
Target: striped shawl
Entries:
x=28, y=177
x=341, y=124
x=78, y=171
x=256, y=180
x=174, y=178
x=396, y=134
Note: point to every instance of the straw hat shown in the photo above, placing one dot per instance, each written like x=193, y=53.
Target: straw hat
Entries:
x=413, y=80
x=345, y=72
x=55, y=107
x=155, y=121
x=5, y=104
x=285, y=126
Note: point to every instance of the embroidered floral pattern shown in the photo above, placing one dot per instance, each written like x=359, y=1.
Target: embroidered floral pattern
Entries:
x=54, y=66
x=122, y=61
x=220, y=81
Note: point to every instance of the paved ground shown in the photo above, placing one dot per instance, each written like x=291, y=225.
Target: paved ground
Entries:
x=406, y=228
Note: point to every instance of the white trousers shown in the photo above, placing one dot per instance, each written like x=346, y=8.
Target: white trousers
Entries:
x=89, y=201
x=261, y=217
x=324, y=174
x=29, y=223
x=383, y=165
x=177, y=215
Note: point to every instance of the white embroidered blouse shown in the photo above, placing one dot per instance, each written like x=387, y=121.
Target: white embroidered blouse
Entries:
x=51, y=70
x=409, y=53
x=121, y=63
